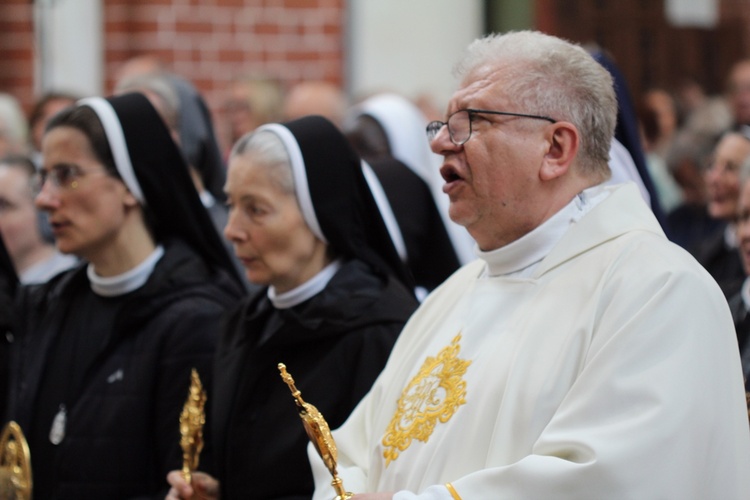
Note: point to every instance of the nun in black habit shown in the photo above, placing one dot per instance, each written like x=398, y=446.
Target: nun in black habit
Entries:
x=103, y=353
x=388, y=131
x=305, y=224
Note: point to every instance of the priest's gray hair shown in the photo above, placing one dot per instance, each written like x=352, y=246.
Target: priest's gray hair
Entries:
x=267, y=150
x=548, y=76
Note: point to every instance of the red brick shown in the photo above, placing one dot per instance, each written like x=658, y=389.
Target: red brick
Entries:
x=232, y=56
x=151, y=2
x=230, y=3
x=194, y=27
x=267, y=29
x=302, y=56
x=117, y=26
x=332, y=29
x=144, y=26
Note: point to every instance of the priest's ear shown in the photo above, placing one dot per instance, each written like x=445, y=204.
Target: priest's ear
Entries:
x=563, y=141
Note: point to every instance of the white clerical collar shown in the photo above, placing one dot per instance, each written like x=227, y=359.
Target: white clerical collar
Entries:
x=730, y=236
x=745, y=293
x=306, y=290
x=521, y=257
x=112, y=286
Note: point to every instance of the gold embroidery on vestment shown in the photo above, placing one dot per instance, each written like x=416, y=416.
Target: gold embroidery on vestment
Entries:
x=432, y=396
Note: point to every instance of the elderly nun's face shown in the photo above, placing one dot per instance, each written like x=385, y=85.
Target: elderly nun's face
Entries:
x=88, y=208
x=267, y=230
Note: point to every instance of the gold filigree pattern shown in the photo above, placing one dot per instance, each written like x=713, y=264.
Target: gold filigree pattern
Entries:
x=319, y=432
x=15, y=464
x=192, y=420
x=432, y=396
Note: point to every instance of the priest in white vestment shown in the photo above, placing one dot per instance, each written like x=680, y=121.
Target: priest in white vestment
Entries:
x=582, y=355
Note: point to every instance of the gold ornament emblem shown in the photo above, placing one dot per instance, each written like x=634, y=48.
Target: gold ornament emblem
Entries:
x=319, y=432
x=432, y=396
x=192, y=419
x=15, y=464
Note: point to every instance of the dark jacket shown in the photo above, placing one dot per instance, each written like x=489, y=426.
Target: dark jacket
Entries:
x=122, y=433
x=5, y=337
x=8, y=286
x=334, y=345
x=722, y=262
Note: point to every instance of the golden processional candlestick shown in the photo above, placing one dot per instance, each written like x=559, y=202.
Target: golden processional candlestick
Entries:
x=15, y=464
x=192, y=419
x=319, y=433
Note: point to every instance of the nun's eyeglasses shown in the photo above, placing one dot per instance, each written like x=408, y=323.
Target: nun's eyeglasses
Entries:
x=459, y=123
x=61, y=176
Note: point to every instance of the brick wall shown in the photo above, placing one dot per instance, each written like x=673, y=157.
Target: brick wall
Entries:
x=206, y=41
x=210, y=42
x=16, y=50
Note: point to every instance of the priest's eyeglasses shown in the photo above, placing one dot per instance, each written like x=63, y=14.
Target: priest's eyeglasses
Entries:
x=459, y=123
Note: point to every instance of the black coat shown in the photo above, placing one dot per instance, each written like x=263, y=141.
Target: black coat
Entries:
x=722, y=262
x=122, y=434
x=8, y=286
x=5, y=336
x=334, y=345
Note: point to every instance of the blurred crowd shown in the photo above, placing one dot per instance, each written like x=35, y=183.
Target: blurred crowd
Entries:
x=694, y=186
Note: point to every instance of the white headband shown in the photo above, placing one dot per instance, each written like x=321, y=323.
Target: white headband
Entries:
x=116, y=138
x=300, y=176
x=385, y=209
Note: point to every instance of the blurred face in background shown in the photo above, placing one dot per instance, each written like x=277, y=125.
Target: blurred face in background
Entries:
x=267, y=229
x=743, y=225
x=722, y=177
x=661, y=103
x=250, y=104
x=739, y=92
x=50, y=109
x=18, y=216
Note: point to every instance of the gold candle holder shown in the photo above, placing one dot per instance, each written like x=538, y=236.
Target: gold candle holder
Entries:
x=319, y=433
x=192, y=419
x=15, y=464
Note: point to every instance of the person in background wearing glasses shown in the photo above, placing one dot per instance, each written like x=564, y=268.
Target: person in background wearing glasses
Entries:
x=22, y=225
x=582, y=355
x=719, y=251
x=101, y=364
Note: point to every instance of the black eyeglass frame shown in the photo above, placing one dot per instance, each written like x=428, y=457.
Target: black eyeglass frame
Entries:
x=434, y=127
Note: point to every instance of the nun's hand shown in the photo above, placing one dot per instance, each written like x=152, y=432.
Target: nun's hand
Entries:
x=203, y=487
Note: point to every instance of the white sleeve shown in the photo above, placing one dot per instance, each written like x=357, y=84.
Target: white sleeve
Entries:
x=431, y=493
x=352, y=446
